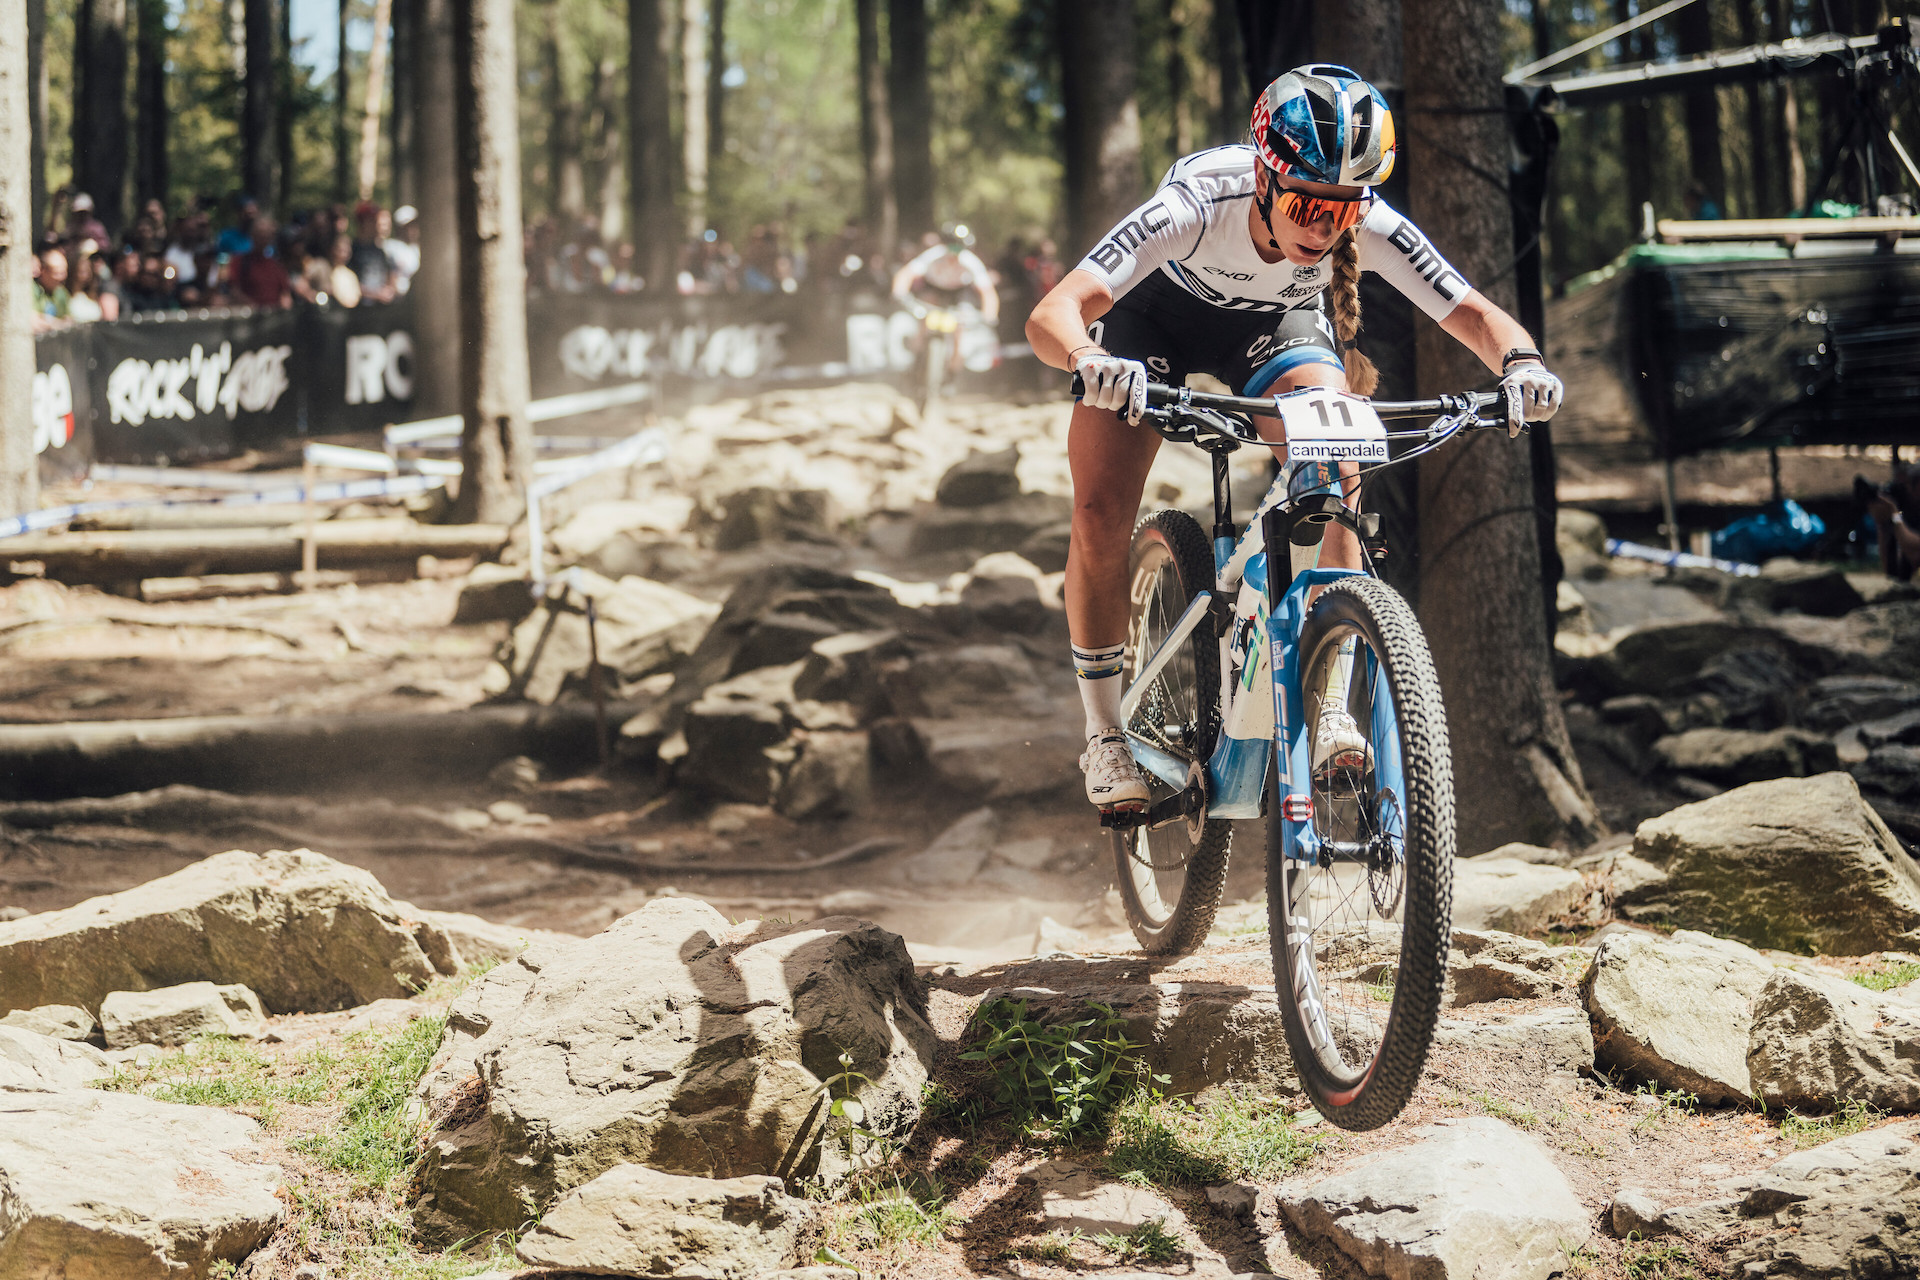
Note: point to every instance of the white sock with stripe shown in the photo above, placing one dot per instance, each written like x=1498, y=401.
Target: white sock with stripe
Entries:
x=1099, y=671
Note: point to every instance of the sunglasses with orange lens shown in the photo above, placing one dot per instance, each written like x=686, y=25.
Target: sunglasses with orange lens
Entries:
x=1304, y=210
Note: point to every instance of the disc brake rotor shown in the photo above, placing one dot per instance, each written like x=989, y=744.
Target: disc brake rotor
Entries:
x=1384, y=855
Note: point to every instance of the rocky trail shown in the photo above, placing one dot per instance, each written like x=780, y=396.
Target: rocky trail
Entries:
x=767, y=987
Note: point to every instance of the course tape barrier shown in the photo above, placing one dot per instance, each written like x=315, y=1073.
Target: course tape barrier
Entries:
x=329, y=491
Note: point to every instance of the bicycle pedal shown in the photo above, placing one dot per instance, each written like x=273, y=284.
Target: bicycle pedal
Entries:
x=1123, y=819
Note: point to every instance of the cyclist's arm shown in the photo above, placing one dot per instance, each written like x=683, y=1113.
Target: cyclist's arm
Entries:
x=983, y=285
x=1486, y=330
x=1058, y=325
x=904, y=280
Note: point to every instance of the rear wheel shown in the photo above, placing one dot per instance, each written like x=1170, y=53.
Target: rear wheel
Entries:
x=1170, y=878
x=1360, y=930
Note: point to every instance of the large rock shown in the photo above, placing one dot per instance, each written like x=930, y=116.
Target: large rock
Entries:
x=1677, y=1011
x=995, y=526
x=1560, y=1039
x=32, y=1061
x=61, y=1021
x=1504, y=893
x=1846, y=1210
x=670, y=1040
x=641, y=627
x=996, y=757
x=1794, y=864
x=1734, y=756
x=1662, y=658
x=1080, y=1199
x=1818, y=1041
x=1837, y=701
x=831, y=777
x=175, y=1015
x=1471, y=1199
x=1197, y=1034
x=477, y=941
x=306, y=933
x=636, y=1221
x=980, y=478
x=116, y=1185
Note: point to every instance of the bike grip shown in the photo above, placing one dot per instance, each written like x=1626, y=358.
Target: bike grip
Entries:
x=1079, y=386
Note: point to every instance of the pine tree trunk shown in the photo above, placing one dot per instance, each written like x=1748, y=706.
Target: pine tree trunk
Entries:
x=375, y=98
x=401, y=122
x=496, y=447
x=1178, y=94
x=283, y=108
x=1515, y=775
x=1759, y=150
x=693, y=112
x=100, y=109
x=611, y=150
x=650, y=142
x=436, y=289
x=909, y=98
x=1102, y=124
x=150, y=105
x=19, y=479
x=566, y=183
x=716, y=88
x=1701, y=109
x=876, y=128
x=1235, y=106
x=342, y=138
x=1792, y=160
x=37, y=109
x=1636, y=124
x=258, y=92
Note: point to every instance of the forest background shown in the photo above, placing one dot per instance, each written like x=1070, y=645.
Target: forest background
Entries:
x=768, y=126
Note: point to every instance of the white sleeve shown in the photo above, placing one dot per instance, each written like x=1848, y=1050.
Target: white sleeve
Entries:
x=1396, y=250
x=919, y=264
x=1166, y=227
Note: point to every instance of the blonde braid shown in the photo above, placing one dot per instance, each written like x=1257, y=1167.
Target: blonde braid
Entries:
x=1344, y=295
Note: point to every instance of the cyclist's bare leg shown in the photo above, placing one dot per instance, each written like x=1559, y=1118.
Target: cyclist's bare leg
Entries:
x=1109, y=460
x=1339, y=549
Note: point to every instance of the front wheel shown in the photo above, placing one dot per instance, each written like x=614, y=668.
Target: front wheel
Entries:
x=1360, y=916
x=1170, y=879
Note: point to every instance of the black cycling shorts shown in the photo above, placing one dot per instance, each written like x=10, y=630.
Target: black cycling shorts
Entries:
x=1174, y=334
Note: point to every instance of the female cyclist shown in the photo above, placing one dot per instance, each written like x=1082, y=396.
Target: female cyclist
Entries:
x=1245, y=264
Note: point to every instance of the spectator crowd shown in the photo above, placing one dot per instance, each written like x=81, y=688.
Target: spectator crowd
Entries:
x=324, y=257
x=333, y=256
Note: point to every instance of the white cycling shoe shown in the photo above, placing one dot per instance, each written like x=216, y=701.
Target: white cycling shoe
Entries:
x=1342, y=755
x=1114, y=780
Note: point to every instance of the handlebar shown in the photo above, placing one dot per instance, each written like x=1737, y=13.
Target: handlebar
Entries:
x=1162, y=396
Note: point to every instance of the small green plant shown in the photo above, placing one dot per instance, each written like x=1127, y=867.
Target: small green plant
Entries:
x=1810, y=1131
x=1581, y=1260
x=1148, y=1242
x=1059, y=1080
x=1887, y=976
x=897, y=1213
x=1667, y=1103
x=1643, y=1260
x=1055, y=1247
x=844, y=1107
x=1383, y=989
x=1171, y=1142
x=942, y=1105
x=1505, y=1109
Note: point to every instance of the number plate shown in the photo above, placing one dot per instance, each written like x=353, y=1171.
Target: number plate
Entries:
x=1324, y=425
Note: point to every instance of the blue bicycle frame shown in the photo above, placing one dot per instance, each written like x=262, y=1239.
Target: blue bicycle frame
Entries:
x=1263, y=706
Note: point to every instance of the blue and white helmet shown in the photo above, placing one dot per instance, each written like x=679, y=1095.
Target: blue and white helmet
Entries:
x=1323, y=123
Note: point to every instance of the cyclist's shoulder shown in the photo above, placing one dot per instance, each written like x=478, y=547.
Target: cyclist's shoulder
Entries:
x=1218, y=173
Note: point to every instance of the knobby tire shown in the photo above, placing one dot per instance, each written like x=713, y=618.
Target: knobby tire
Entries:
x=1383, y=620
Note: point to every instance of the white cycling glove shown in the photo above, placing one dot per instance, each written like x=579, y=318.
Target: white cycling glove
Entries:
x=1534, y=392
x=1113, y=383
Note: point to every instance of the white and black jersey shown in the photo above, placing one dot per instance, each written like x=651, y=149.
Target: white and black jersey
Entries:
x=1193, y=232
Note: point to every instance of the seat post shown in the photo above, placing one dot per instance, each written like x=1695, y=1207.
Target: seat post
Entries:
x=1222, y=497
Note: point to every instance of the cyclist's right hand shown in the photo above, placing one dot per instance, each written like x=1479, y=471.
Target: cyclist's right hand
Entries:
x=1113, y=383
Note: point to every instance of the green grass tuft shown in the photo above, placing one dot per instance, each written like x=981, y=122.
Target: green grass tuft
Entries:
x=894, y=1214
x=1171, y=1142
x=1894, y=973
x=1810, y=1131
x=1060, y=1081
x=1148, y=1242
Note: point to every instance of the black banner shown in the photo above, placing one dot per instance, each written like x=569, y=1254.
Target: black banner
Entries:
x=189, y=387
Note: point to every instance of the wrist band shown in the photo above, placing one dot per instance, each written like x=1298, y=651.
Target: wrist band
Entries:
x=1086, y=346
x=1517, y=354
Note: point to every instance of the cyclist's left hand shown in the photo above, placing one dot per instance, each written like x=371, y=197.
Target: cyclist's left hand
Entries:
x=1534, y=391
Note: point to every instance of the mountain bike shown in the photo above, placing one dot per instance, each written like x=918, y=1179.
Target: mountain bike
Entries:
x=940, y=340
x=1236, y=666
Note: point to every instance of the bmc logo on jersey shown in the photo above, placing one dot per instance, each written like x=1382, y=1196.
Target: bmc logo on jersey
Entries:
x=1129, y=236
x=1422, y=257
